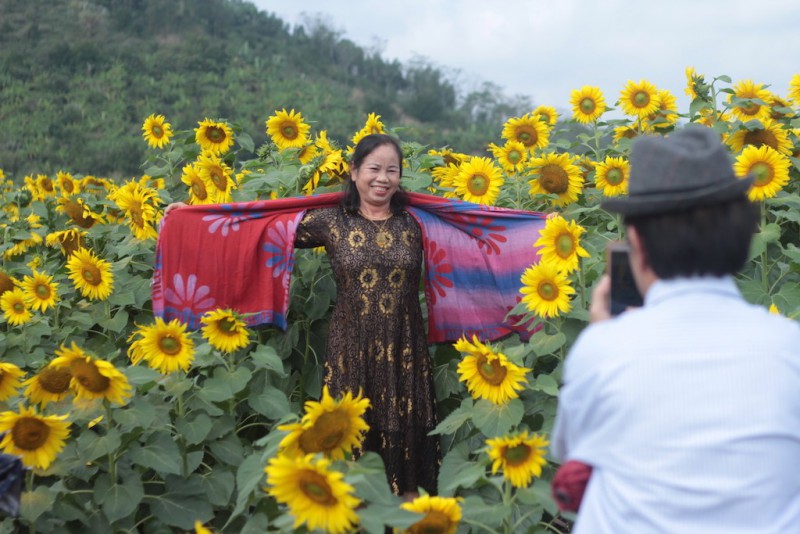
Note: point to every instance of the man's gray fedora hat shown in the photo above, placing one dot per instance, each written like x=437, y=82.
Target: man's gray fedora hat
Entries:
x=689, y=168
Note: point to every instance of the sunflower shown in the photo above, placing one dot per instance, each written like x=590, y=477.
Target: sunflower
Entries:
x=37, y=439
x=560, y=242
x=40, y=291
x=528, y=130
x=794, y=89
x=667, y=113
x=288, y=130
x=164, y=346
x=198, y=188
x=769, y=133
x=138, y=204
x=478, y=180
x=200, y=529
x=548, y=114
x=10, y=376
x=612, y=176
x=770, y=168
x=225, y=330
x=51, y=384
x=748, y=110
x=521, y=457
x=488, y=374
x=315, y=494
x=773, y=309
x=156, y=131
x=307, y=153
x=92, y=378
x=626, y=131
x=588, y=103
x=693, y=82
x=21, y=247
x=373, y=125
x=67, y=184
x=45, y=186
x=555, y=174
x=512, y=156
x=331, y=427
x=709, y=117
x=91, y=275
x=69, y=240
x=780, y=108
x=639, y=99
x=78, y=212
x=15, y=307
x=546, y=290
x=213, y=137
x=442, y=515
x=218, y=177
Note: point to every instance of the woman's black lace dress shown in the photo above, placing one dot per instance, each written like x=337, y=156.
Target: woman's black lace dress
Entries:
x=376, y=339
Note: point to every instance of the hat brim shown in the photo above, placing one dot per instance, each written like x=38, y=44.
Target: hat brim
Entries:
x=654, y=203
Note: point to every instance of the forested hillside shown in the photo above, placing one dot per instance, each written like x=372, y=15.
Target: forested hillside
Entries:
x=77, y=79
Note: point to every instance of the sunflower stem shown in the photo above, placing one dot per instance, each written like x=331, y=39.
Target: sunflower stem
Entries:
x=181, y=438
x=112, y=460
x=582, y=283
x=29, y=489
x=764, y=279
x=507, y=501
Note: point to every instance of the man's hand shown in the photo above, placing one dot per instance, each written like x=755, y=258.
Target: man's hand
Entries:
x=169, y=208
x=600, y=307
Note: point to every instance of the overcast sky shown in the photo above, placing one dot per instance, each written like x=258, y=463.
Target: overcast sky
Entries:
x=546, y=48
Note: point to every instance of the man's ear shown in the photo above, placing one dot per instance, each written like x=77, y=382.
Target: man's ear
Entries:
x=638, y=253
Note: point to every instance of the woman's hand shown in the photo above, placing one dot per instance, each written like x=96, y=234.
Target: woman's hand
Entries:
x=169, y=208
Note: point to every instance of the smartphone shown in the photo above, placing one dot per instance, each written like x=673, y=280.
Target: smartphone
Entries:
x=624, y=293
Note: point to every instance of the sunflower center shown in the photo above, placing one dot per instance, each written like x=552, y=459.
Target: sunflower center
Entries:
x=554, y=179
x=326, y=433
x=215, y=134
x=6, y=284
x=435, y=522
x=157, y=132
x=43, y=291
x=565, y=245
x=478, y=184
x=75, y=212
x=219, y=179
x=614, y=177
x=547, y=290
x=760, y=138
x=492, y=372
x=30, y=433
x=91, y=274
x=588, y=105
x=199, y=190
x=19, y=307
x=641, y=99
x=136, y=216
x=47, y=185
x=316, y=488
x=71, y=243
x=749, y=108
x=517, y=454
x=514, y=157
x=289, y=131
x=87, y=374
x=169, y=345
x=527, y=135
x=762, y=172
x=54, y=380
x=68, y=186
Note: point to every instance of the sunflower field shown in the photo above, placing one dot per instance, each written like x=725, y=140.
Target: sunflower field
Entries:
x=128, y=423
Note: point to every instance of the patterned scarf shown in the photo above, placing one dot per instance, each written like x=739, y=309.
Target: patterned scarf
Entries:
x=241, y=255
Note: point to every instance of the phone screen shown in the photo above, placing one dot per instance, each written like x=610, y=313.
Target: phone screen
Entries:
x=623, y=287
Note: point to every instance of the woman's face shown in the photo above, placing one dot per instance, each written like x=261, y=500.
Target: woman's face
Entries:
x=378, y=177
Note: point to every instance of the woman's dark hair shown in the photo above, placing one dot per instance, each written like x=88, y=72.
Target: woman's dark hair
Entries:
x=706, y=240
x=352, y=200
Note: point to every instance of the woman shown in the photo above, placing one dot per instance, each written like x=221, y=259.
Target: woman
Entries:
x=377, y=340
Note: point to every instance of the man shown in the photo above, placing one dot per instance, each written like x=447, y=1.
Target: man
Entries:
x=687, y=409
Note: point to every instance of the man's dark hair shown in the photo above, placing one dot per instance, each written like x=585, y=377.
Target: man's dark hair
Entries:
x=352, y=200
x=705, y=240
